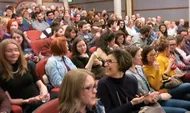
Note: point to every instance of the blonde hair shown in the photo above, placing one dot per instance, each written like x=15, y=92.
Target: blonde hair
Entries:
x=4, y=20
x=69, y=96
x=6, y=66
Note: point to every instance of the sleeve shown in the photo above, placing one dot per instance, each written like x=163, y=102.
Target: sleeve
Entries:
x=77, y=62
x=154, y=80
x=32, y=70
x=53, y=74
x=5, y=104
x=162, y=66
x=105, y=98
x=136, y=40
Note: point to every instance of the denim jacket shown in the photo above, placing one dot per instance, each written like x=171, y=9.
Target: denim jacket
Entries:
x=56, y=69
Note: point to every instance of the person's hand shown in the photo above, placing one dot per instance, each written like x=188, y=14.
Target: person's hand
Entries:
x=97, y=62
x=165, y=96
x=28, y=56
x=44, y=97
x=137, y=100
x=35, y=59
x=156, y=65
x=34, y=99
x=152, y=97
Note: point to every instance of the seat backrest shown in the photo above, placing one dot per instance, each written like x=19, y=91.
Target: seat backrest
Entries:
x=49, y=107
x=33, y=35
x=40, y=68
x=93, y=49
x=38, y=45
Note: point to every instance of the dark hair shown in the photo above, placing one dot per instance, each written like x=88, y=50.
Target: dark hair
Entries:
x=179, y=39
x=105, y=38
x=9, y=8
x=49, y=13
x=144, y=29
x=183, y=30
x=111, y=22
x=146, y=50
x=37, y=13
x=81, y=24
x=18, y=15
x=74, y=47
x=24, y=43
x=57, y=21
x=117, y=35
x=124, y=59
x=150, y=23
x=165, y=33
x=68, y=30
x=132, y=50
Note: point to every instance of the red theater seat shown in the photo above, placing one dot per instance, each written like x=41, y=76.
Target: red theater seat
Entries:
x=49, y=107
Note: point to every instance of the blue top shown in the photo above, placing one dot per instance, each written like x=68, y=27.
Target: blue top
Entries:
x=56, y=69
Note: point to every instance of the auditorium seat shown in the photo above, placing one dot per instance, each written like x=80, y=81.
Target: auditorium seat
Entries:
x=49, y=107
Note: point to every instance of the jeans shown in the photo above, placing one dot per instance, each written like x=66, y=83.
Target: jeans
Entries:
x=175, y=105
x=181, y=92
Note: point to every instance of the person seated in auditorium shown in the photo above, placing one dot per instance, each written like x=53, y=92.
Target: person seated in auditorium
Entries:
x=83, y=32
x=180, y=40
x=18, y=75
x=105, y=45
x=11, y=27
x=181, y=63
x=121, y=24
x=117, y=91
x=144, y=87
x=49, y=32
x=186, y=46
x=163, y=31
x=143, y=37
x=39, y=23
x=120, y=39
x=81, y=94
x=25, y=46
x=50, y=17
x=82, y=58
x=70, y=34
x=5, y=105
x=164, y=62
x=58, y=64
x=21, y=25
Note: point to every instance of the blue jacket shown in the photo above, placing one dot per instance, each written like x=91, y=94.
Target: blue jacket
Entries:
x=56, y=69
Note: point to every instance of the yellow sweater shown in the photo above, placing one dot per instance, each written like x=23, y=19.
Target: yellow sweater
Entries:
x=154, y=77
x=163, y=63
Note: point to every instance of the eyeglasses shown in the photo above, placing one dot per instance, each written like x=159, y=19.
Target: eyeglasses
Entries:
x=109, y=61
x=172, y=44
x=90, y=88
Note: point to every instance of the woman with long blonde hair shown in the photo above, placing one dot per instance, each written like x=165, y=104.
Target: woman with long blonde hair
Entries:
x=78, y=93
x=19, y=79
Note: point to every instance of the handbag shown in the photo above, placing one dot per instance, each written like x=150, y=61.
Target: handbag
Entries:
x=171, y=82
x=155, y=108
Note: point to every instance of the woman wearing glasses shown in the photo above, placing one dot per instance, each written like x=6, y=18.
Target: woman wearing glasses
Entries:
x=78, y=93
x=116, y=91
x=169, y=105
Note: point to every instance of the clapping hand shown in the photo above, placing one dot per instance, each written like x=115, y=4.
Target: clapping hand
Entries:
x=138, y=99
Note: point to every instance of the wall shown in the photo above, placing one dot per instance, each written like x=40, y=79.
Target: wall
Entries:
x=167, y=9
x=99, y=5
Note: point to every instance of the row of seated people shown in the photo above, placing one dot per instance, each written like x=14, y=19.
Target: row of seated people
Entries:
x=58, y=65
